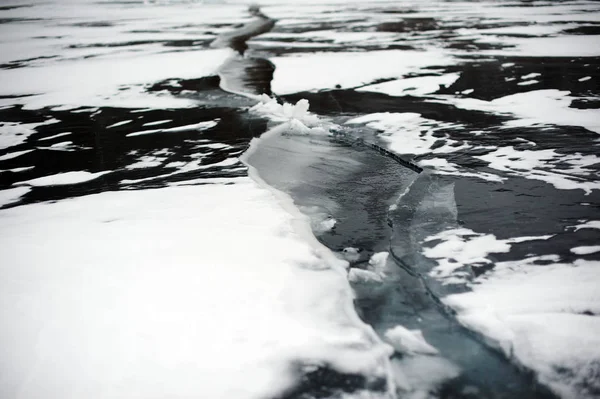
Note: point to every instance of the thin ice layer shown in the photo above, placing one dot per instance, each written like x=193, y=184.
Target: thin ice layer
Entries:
x=190, y=295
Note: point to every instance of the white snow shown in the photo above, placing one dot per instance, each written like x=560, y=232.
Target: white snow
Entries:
x=293, y=119
x=549, y=106
x=590, y=224
x=540, y=165
x=17, y=170
x=13, y=133
x=460, y=248
x=59, y=179
x=146, y=162
x=537, y=315
x=316, y=71
x=407, y=132
x=55, y=136
x=351, y=254
x=157, y=122
x=197, y=297
x=409, y=341
x=12, y=155
x=121, y=123
x=528, y=82
x=118, y=81
x=586, y=250
x=558, y=46
x=200, y=126
x=416, y=86
x=11, y=195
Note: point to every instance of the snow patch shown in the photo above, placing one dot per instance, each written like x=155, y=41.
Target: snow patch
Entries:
x=134, y=319
x=60, y=179
x=540, y=317
x=315, y=71
x=409, y=341
x=586, y=250
x=11, y=195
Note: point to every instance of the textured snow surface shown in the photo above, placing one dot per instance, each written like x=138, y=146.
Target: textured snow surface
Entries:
x=221, y=291
x=12, y=195
x=173, y=292
x=407, y=132
x=548, y=106
x=117, y=81
x=316, y=71
x=63, y=178
x=407, y=341
x=542, y=318
x=458, y=248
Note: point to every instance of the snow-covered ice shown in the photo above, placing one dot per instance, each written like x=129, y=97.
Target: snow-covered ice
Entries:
x=541, y=318
x=316, y=71
x=409, y=342
x=586, y=249
x=13, y=133
x=11, y=195
x=549, y=106
x=416, y=86
x=75, y=177
x=200, y=126
x=171, y=309
x=462, y=247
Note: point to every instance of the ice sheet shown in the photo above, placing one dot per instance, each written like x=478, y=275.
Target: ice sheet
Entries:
x=196, y=292
x=542, y=318
x=59, y=179
x=13, y=133
x=12, y=195
x=458, y=249
x=586, y=250
x=117, y=81
x=316, y=71
x=416, y=86
x=548, y=106
x=196, y=126
x=408, y=132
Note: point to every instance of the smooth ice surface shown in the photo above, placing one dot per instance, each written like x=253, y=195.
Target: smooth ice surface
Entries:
x=540, y=317
x=190, y=295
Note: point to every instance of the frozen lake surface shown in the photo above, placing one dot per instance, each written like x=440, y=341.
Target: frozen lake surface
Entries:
x=320, y=199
